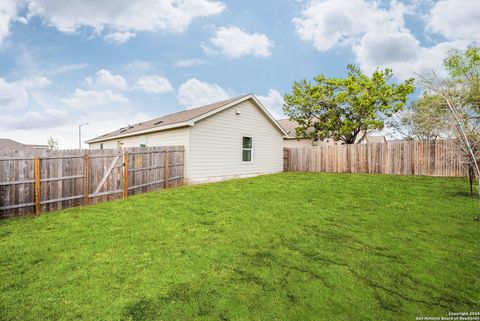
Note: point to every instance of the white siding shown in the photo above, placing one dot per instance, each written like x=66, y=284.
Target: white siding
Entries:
x=216, y=145
x=172, y=137
x=106, y=145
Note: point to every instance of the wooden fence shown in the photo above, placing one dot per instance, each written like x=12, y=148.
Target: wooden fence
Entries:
x=430, y=158
x=35, y=182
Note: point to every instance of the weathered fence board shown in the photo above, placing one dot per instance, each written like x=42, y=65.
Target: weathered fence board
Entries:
x=66, y=178
x=430, y=158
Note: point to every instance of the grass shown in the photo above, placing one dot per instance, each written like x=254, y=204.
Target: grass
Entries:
x=291, y=246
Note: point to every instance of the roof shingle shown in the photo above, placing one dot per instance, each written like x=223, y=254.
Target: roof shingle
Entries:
x=289, y=126
x=171, y=119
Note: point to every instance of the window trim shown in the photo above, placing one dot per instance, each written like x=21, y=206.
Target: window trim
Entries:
x=250, y=149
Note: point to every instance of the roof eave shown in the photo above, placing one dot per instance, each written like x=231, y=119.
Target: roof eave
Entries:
x=196, y=119
x=145, y=131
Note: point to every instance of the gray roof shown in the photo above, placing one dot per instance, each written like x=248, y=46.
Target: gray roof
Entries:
x=166, y=121
x=375, y=139
x=12, y=145
x=289, y=126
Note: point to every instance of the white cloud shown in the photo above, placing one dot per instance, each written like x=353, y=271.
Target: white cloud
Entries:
x=385, y=48
x=139, y=66
x=8, y=14
x=49, y=118
x=16, y=95
x=63, y=69
x=397, y=50
x=154, y=84
x=105, y=79
x=234, y=43
x=120, y=37
x=12, y=96
x=184, y=63
x=341, y=22
x=455, y=19
x=195, y=93
x=273, y=101
x=123, y=16
x=20, y=95
x=403, y=53
x=35, y=82
x=64, y=126
x=379, y=37
x=91, y=98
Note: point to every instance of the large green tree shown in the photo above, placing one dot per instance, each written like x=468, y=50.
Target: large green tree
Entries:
x=345, y=109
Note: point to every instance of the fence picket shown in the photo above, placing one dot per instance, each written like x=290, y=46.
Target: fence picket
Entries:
x=48, y=180
x=431, y=158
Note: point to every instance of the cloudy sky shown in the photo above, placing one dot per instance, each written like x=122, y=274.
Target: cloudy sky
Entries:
x=111, y=63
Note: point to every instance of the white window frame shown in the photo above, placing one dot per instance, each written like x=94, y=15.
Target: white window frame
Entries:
x=250, y=149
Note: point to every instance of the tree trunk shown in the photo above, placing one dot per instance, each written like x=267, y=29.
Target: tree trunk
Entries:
x=470, y=177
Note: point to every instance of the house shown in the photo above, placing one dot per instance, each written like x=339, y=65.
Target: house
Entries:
x=9, y=145
x=233, y=138
x=375, y=139
x=292, y=140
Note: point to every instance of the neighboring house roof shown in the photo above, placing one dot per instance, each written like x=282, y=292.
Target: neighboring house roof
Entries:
x=375, y=139
x=182, y=119
x=289, y=126
x=12, y=145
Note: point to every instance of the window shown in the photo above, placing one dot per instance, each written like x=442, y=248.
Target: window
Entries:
x=142, y=141
x=101, y=145
x=247, y=149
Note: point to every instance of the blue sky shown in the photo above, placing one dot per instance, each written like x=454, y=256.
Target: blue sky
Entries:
x=120, y=62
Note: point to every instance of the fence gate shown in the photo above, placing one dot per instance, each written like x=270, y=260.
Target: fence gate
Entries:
x=104, y=170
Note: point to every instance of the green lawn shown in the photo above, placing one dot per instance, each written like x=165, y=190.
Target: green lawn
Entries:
x=291, y=246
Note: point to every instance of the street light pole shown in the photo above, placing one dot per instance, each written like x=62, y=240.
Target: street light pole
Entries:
x=80, y=135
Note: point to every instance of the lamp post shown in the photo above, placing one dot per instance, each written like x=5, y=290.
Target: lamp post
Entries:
x=80, y=135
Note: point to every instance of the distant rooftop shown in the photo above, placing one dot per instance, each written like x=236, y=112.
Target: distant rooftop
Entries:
x=12, y=145
x=289, y=126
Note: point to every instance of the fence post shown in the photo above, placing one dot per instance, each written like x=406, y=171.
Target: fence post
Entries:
x=36, y=172
x=125, y=174
x=85, y=180
x=165, y=169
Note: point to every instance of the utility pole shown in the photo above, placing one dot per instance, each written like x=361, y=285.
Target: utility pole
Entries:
x=80, y=135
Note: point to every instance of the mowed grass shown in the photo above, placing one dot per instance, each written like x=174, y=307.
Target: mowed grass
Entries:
x=291, y=246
